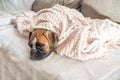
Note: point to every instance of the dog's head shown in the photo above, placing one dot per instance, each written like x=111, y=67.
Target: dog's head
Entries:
x=42, y=42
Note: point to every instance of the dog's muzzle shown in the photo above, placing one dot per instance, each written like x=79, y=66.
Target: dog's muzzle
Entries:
x=38, y=54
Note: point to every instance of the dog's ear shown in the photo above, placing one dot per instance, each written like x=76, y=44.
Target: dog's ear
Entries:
x=53, y=39
x=30, y=35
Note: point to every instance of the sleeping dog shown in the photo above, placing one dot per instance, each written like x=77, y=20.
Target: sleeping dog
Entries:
x=42, y=42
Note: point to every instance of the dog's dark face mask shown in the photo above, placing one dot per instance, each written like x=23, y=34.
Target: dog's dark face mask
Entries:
x=42, y=42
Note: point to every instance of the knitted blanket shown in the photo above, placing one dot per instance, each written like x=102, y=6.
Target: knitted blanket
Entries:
x=80, y=37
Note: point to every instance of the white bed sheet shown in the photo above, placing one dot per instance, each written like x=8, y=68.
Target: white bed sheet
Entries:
x=16, y=65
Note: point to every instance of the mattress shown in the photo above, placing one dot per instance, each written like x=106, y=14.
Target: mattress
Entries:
x=15, y=63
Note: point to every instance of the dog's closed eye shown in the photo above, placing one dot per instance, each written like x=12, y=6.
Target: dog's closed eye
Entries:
x=40, y=45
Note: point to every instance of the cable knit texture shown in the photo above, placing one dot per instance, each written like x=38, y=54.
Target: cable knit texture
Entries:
x=80, y=37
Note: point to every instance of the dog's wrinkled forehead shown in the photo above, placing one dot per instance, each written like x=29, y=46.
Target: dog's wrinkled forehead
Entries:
x=34, y=36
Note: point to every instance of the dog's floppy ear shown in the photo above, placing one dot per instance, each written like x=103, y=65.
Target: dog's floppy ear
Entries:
x=53, y=39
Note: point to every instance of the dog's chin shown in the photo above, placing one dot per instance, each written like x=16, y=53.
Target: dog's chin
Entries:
x=38, y=55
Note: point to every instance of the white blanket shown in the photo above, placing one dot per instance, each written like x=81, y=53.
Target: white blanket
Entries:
x=79, y=37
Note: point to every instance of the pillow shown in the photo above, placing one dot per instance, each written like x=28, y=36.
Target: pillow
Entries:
x=41, y=4
x=15, y=6
x=102, y=9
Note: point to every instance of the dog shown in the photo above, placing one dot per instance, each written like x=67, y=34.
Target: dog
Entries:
x=42, y=42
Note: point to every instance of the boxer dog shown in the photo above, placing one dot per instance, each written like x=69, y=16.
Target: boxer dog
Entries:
x=42, y=42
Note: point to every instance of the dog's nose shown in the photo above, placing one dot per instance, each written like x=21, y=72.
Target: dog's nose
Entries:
x=33, y=51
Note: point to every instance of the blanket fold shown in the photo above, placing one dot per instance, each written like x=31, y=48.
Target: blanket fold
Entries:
x=80, y=37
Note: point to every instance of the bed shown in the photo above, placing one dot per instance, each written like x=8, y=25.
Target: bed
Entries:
x=15, y=63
